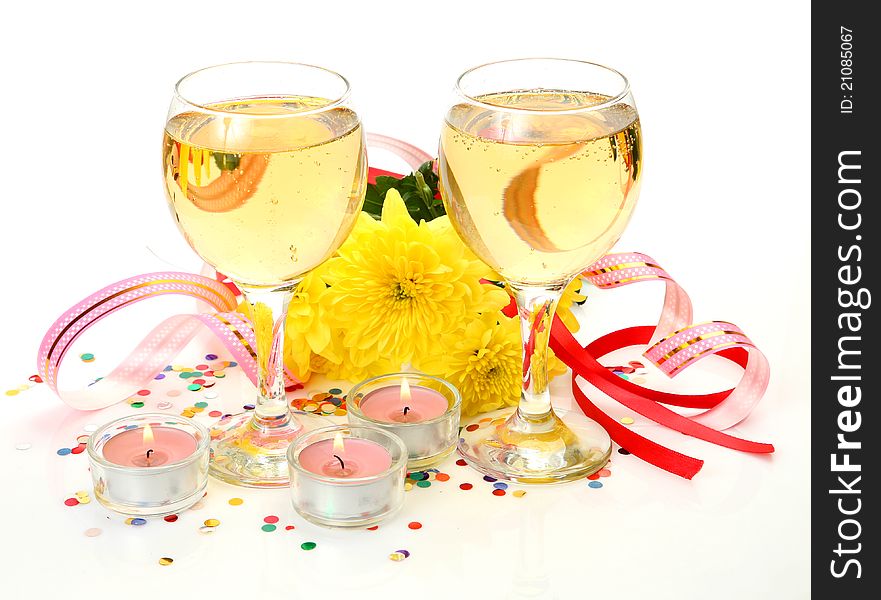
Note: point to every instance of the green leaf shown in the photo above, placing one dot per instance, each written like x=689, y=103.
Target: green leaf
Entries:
x=418, y=191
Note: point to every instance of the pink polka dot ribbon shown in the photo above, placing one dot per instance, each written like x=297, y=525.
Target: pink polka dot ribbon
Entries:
x=159, y=347
x=673, y=344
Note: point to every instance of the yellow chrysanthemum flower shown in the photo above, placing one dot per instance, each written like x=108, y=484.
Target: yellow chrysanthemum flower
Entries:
x=571, y=295
x=397, y=286
x=483, y=360
x=306, y=330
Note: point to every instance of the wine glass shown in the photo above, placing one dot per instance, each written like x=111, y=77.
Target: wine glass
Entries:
x=265, y=172
x=539, y=162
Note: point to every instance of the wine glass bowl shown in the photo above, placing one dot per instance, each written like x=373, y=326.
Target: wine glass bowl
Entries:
x=539, y=164
x=265, y=172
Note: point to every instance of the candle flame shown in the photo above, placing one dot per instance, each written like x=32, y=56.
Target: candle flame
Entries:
x=148, y=434
x=338, y=445
x=405, y=391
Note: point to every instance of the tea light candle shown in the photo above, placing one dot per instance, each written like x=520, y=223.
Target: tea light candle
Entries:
x=422, y=410
x=150, y=464
x=347, y=476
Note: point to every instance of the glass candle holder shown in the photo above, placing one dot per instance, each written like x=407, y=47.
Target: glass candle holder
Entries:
x=150, y=464
x=347, y=476
x=420, y=409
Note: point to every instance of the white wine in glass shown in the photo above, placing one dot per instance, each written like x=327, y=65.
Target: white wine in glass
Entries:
x=540, y=162
x=265, y=172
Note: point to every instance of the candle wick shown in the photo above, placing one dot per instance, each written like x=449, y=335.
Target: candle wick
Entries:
x=406, y=410
x=150, y=451
x=342, y=464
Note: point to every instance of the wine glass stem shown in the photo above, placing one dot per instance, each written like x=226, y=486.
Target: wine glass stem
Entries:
x=536, y=305
x=269, y=309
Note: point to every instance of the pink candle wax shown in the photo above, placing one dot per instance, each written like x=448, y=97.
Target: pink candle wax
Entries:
x=357, y=458
x=389, y=404
x=132, y=448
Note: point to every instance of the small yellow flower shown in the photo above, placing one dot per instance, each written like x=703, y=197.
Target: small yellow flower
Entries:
x=306, y=332
x=397, y=286
x=483, y=360
x=571, y=295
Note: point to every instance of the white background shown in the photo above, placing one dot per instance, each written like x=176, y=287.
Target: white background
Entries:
x=723, y=94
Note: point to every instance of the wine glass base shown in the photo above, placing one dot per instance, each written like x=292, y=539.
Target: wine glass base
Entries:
x=553, y=451
x=244, y=453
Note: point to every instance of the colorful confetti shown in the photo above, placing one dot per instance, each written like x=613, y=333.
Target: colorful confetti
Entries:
x=595, y=484
x=269, y=527
x=87, y=357
x=308, y=545
x=623, y=451
x=165, y=561
x=270, y=519
x=519, y=493
x=627, y=420
x=170, y=518
x=236, y=501
x=414, y=525
x=499, y=492
x=465, y=486
x=211, y=523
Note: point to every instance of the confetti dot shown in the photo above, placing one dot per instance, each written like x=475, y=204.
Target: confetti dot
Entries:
x=35, y=379
x=623, y=451
x=465, y=486
x=423, y=484
x=490, y=479
x=143, y=392
x=12, y=392
x=442, y=477
x=139, y=521
x=472, y=427
x=499, y=492
x=500, y=485
x=397, y=556
x=165, y=561
x=636, y=364
x=334, y=391
x=23, y=446
x=201, y=405
x=289, y=527
x=71, y=502
x=248, y=407
x=595, y=484
x=414, y=525
x=637, y=379
x=232, y=363
x=160, y=376
x=236, y=501
x=268, y=528
x=270, y=519
x=308, y=545
x=593, y=476
x=627, y=420
x=408, y=486
x=82, y=439
x=461, y=462
x=604, y=473
x=209, y=396
x=211, y=523
x=210, y=357
x=87, y=357
x=171, y=518
x=219, y=374
x=92, y=532
x=194, y=387
x=137, y=405
x=62, y=451
x=81, y=493
x=215, y=413
x=519, y=493
x=373, y=528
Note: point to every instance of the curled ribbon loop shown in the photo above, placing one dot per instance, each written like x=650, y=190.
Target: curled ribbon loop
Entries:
x=158, y=348
x=724, y=409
